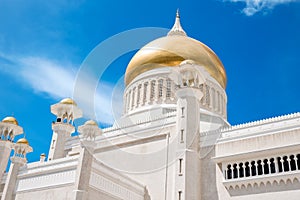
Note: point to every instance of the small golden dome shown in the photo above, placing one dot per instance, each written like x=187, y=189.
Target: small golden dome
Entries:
x=43, y=155
x=91, y=122
x=170, y=51
x=10, y=120
x=68, y=101
x=23, y=141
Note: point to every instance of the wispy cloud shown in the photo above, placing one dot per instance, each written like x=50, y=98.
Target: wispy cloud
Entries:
x=255, y=6
x=57, y=81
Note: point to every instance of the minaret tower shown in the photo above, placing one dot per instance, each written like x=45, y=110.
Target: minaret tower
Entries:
x=187, y=175
x=21, y=148
x=9, y=128
x=66, y=112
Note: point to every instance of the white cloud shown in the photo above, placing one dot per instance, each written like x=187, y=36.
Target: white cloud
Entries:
x=255, y=6
x=57, y=80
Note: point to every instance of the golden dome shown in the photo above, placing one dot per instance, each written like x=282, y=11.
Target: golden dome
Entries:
x=170, y=51
x=10, y=120
x=91, y=122
x=68, y=101
x=23, y=141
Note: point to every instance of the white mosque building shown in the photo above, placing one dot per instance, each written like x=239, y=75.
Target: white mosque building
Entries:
x=173, y=141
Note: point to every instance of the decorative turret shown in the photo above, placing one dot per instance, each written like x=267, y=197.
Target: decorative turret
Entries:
x=9, y=128
x=21, y=148
x=88, y=133
x=66, y=112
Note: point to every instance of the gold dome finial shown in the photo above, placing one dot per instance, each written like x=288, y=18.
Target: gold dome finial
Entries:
x=23, y=141
x=68, y=101
x=177, y=29
x=10, y=120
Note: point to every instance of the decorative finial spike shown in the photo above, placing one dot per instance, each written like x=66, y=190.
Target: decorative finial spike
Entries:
x=177, y=29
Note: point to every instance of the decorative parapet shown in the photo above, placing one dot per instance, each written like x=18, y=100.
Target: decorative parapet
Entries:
x=46, y=175
x=261, y=126
x=263, y=121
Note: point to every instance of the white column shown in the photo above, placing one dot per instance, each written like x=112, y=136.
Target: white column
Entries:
x=269, y=166
x=289, y=163
x=61, y=132
x=276, y=165
x=11, y=179
x=296, y=161
x=83, y=173
x=5, y=149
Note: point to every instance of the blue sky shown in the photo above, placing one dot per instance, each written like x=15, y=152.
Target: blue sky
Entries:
x=42, y=45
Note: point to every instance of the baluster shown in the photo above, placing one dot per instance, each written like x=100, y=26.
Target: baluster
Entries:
x=269, y=166
x=281, y=162
x=263, y=167
x=276, y=165
x=256, y=168
x=296, y=161
x=289, y=163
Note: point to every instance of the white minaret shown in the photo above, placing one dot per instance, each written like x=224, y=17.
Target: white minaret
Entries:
x=66, y=112
x=88, y=133
x=187, y=174
x=9, y=128
x=21, y=148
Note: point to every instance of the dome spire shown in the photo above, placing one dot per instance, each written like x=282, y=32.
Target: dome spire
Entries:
x=177, y=29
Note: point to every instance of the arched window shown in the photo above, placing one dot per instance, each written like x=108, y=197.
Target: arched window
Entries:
x=207, y=95
x=259, y=168
x=229, y=172
x=272, y=165
x=138, y=95
x=247, y=169
x=241, y=170
x=235, y=171
x=145, y=92
x=168, y=94
x=160, y=88
x=201, y=87
x=280, y=163
x=213, y=98
x=293, y=163
x=253, y=168
x=152, y=90
x=133, y=97
x=218, y=101
x=266, y=166
x=285, y=164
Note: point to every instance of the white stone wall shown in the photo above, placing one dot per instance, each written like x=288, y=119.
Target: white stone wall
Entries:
x=260, y=160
